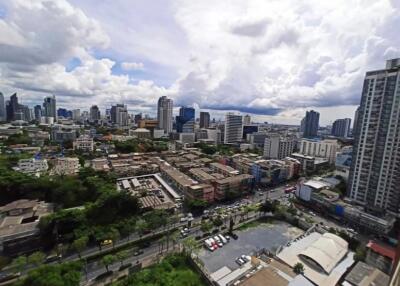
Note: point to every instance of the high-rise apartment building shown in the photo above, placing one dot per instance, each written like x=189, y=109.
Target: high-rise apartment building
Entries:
x=204, y=119
x=246, y=120
x=375, y=171
x=341, y=128
x=119, y=115
x=185, y=120
x=49, y=107
x=233, y=128
x=12, y=107
x=310, y=124
x=164, y=114
x=94, y=113
x=278, y=147
x=38, y=112
x=3, y=115
x=355, y=122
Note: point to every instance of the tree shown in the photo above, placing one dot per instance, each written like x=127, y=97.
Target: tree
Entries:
x=114, y=235
x=122, y=255
x=218, y=221
x=206, y=226
x=108, y=260
x=36, y=258
x=360, y=253
x=66, y=274
x=18, y=264
x=298, y=268
x=141, y=226
x=190, y=245
x=80, y=244
x=231, y=225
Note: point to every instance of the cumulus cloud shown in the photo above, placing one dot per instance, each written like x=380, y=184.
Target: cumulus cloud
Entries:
x=261, y=57
x=307, y=53
x=38, y=39
x=132, y=66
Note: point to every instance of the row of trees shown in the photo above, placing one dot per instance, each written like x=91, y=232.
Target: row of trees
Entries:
x=171, y=271
x=136, y=145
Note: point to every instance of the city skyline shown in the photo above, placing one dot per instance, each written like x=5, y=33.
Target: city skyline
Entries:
x=107, y=68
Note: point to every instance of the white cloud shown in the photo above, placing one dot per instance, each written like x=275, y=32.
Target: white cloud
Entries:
x=132, y=66
x=267, y=57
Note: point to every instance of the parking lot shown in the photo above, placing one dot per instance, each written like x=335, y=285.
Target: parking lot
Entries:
x=268, y=236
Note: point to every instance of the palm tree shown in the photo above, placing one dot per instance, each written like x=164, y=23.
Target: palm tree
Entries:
x=298, y=268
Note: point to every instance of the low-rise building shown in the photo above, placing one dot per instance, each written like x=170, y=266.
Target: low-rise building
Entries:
x=84, y=143
x=233, y=186
x=363, y=274
x=32, y=166
x=100, y=164
x=380, y=256
x=223, y=169
x=141, y=133
x=19, y=232
x=320, y=148
x=343, y=162
x=325, y=257
x=66, y=166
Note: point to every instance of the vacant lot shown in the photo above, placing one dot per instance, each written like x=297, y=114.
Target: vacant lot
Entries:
x=264, y=235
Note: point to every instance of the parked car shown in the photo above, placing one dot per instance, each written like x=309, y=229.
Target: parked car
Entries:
x=239, y=261
x=138, y=252
x=234, y=236
x=223, y=239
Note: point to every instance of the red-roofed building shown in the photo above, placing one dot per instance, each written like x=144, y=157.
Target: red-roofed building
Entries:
x=380, y=256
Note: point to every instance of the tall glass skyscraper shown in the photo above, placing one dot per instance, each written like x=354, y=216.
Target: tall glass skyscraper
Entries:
x=185, y=120
x=164, y=114
x=310, y=124
x=375, y=171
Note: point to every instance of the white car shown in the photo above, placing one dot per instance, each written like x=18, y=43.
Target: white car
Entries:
x=239, y=261
x=218, y=241
x=183, y=219
x=223, y=239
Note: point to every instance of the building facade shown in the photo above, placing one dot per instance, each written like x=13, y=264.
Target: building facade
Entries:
x=185, y=120
x=164, y=114
x=310, y=124
x=49, y=107
x=341, y=127
x=204, y=119
x=233, y=128
x=320, y=148
x=278, y=147
x=375, y=170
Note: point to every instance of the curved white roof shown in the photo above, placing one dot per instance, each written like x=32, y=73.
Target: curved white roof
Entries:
x=327, y=251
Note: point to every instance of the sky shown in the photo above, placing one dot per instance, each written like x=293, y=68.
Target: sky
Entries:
x=273, y=59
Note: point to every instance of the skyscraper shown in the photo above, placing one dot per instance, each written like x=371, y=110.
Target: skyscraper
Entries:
x=49, y=107
x=94, y=113
x=233, y=128
x=3, y=115
x=185, y=120
x=341, y=127
x=204, y=119
x=375, y=171
x=311, y=124
x=246, y=119
x=38, y=112
x=354, y=131
x=164, y=114
x=12, y=107
x=119, y=115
